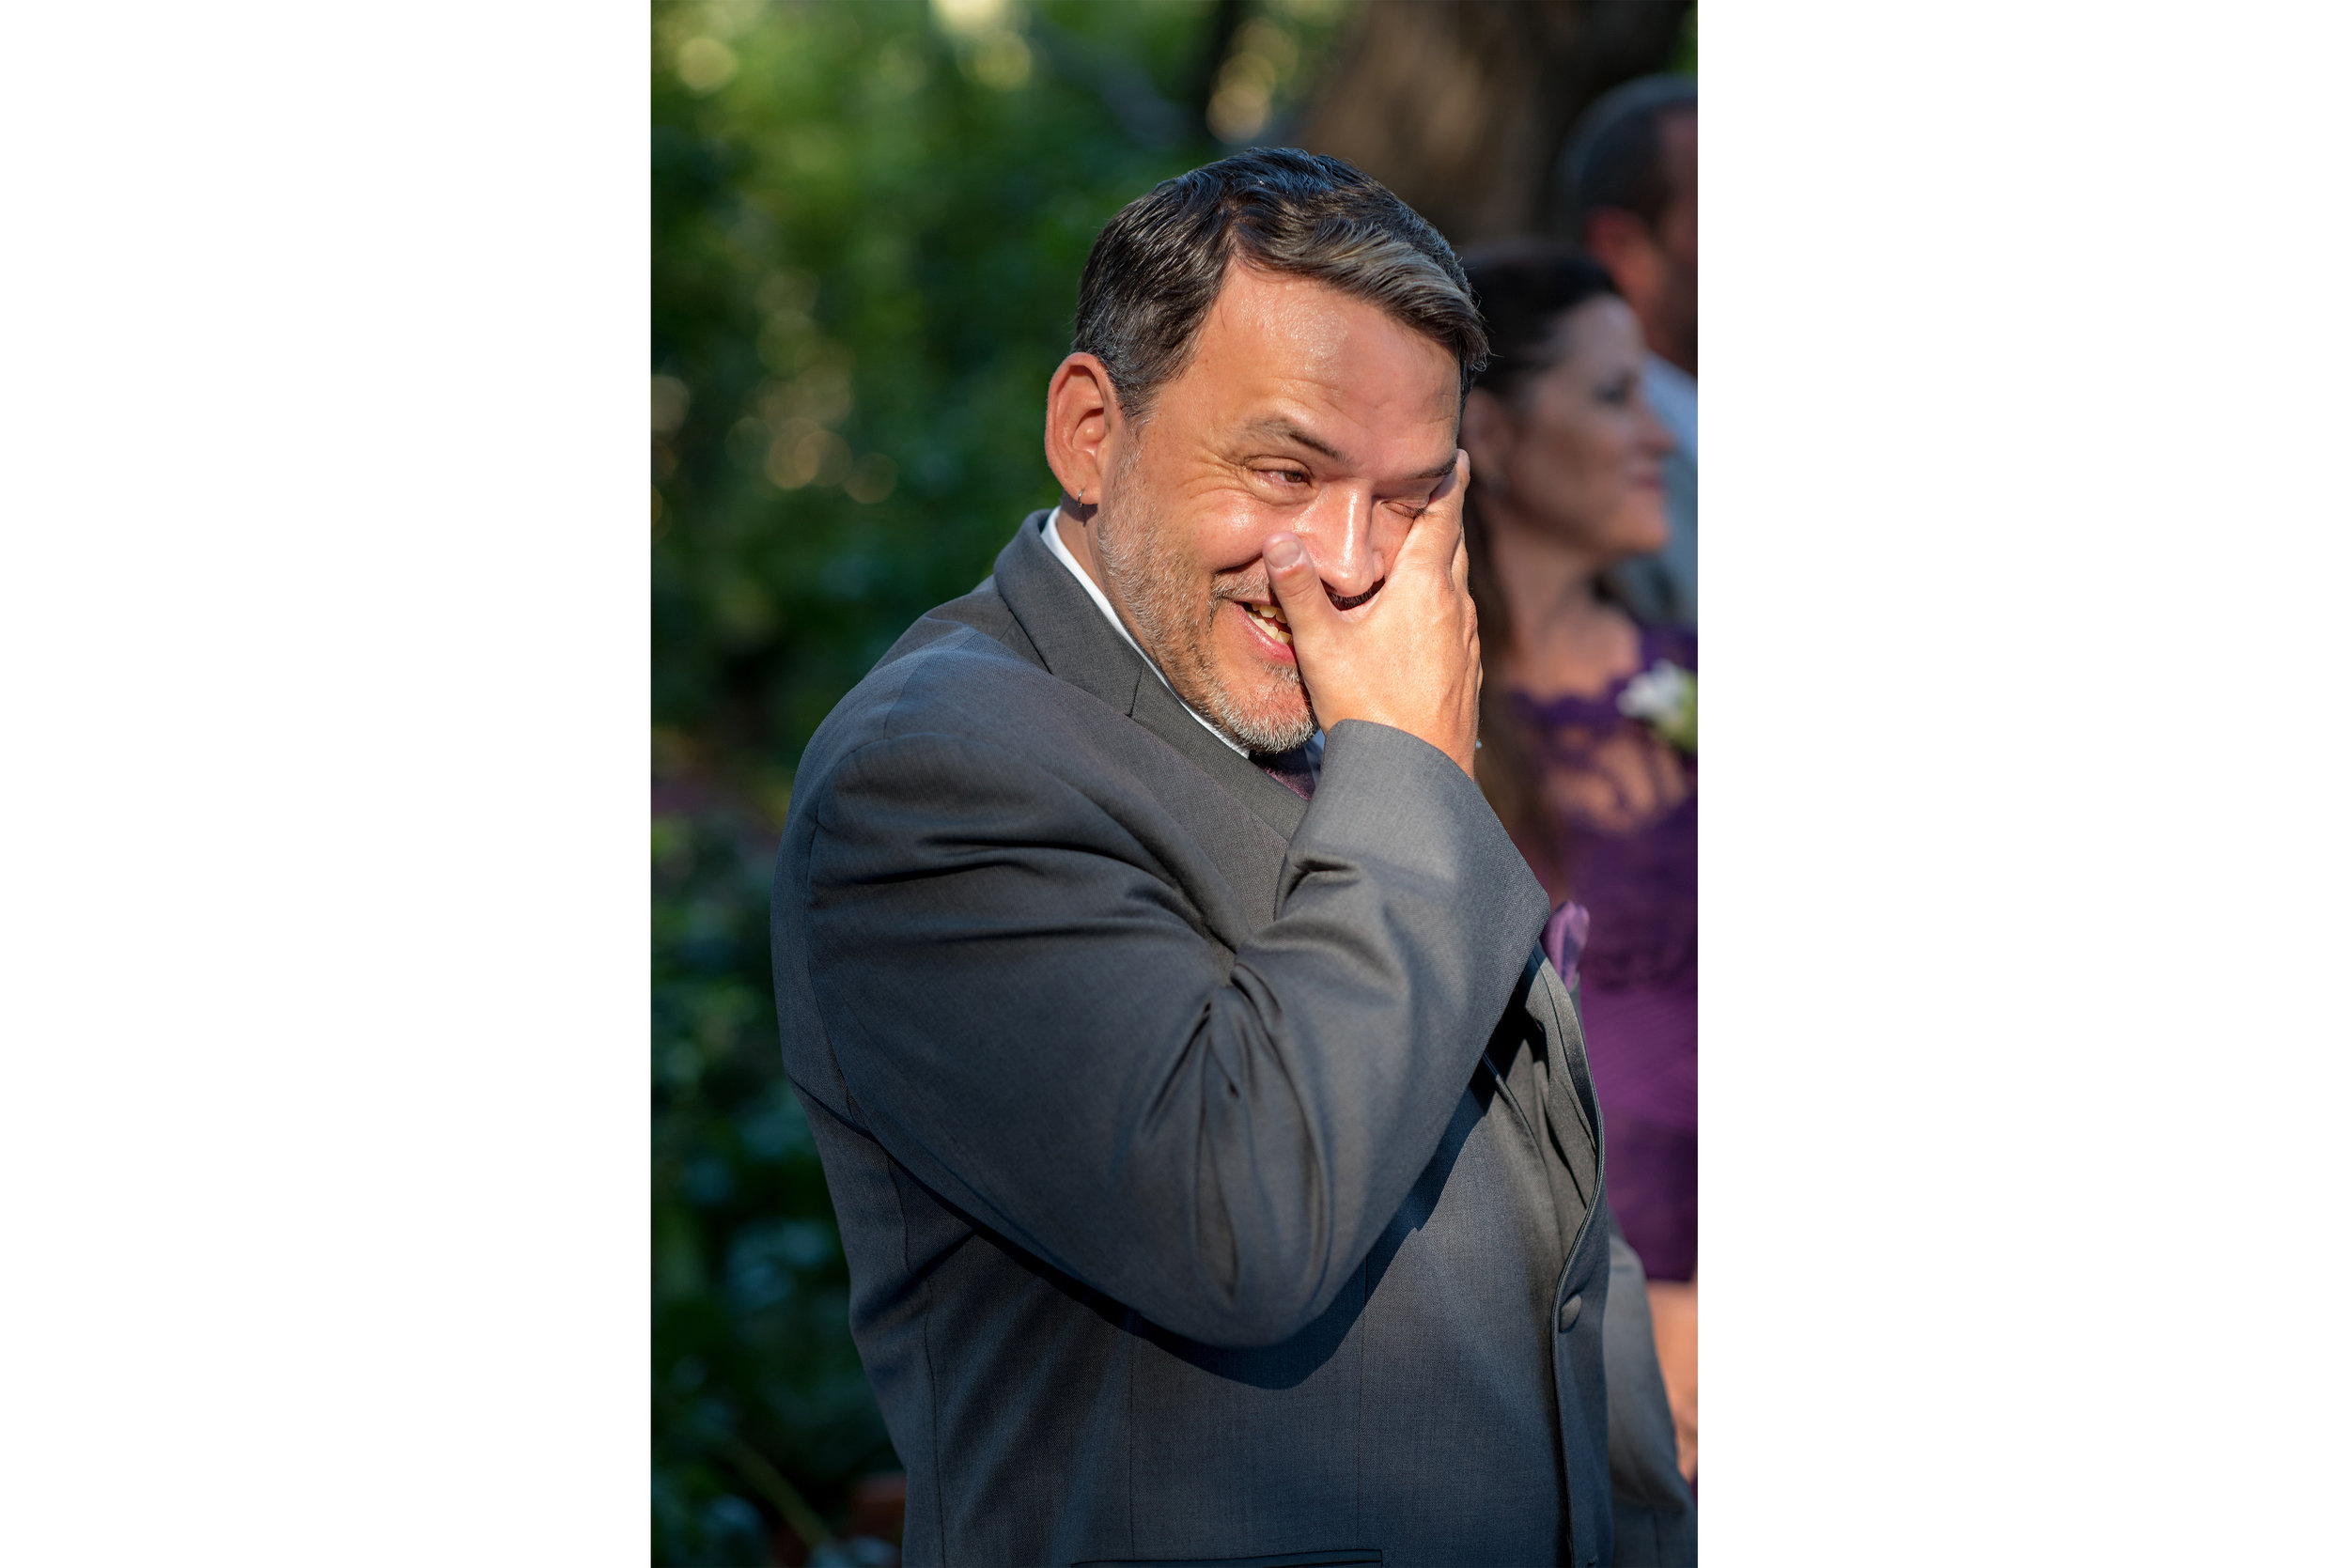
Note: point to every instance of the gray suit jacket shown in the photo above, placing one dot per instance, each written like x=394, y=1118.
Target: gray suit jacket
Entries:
x=1219, y=1174
x=1655, y=1514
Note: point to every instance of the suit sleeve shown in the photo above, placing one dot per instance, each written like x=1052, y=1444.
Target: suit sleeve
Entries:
x=1029, y=1016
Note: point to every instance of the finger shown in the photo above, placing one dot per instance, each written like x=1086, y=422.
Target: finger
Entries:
x=1296, y=585
x=1456, y=484
x=1435, y=532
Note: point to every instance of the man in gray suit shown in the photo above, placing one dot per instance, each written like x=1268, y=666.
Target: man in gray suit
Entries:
x=1213, y=1149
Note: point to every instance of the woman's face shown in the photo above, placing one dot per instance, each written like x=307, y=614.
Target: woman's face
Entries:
x=1577, y=452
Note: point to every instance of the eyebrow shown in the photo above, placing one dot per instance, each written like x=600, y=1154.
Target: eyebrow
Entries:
x=1276, y=428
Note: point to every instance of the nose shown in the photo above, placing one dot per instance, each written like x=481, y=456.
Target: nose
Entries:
x=1654, y=439
x=1341, y=529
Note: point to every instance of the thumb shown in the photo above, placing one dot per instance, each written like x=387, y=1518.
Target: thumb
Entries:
x=1296, y=585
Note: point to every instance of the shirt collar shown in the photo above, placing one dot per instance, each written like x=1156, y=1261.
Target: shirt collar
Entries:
x=1053, y=542
x=1671, y=392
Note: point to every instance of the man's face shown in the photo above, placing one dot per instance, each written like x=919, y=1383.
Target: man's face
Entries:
x=1656, y=265
x=1676, y=235
x=1302, y=411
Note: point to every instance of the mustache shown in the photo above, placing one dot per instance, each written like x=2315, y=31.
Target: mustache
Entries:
x=1254, y=583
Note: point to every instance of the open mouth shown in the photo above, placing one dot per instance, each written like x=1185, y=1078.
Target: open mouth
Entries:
x=1269, y=620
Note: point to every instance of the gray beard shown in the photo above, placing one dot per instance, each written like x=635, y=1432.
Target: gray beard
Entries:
x=1149, y=576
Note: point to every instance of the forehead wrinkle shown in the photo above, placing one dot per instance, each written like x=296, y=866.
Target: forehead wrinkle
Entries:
x=1292, y=344
x=1274, y=428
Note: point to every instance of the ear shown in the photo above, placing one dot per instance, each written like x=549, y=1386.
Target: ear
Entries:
x=1082, y=421
x=1629, y=253
x=1489, y=433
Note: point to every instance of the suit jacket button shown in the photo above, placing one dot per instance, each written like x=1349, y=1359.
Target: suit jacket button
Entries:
x=1569, y=1310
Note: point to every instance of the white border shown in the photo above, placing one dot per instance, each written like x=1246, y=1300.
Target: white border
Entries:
x=323, y=1133
x=2022, y=844
x=322, y=1138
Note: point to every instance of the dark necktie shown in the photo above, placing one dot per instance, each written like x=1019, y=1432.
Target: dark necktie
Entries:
x=1293, y=767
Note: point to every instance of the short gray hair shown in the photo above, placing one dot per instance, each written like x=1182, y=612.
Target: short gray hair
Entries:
x=1158, y=265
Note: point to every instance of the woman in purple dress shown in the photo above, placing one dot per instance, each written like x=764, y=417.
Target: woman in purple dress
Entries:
x=1589, y=728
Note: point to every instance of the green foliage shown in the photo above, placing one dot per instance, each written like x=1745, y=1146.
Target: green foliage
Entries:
x=868, y=223
x=867, y=243
x=750, y=1294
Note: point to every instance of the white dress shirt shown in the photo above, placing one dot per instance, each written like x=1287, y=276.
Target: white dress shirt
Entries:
x=1101, y=601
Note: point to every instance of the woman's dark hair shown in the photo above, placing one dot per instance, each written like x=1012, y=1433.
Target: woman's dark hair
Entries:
x=1524, y=290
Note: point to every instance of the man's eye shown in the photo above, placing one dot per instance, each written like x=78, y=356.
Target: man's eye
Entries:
x=1287, y=475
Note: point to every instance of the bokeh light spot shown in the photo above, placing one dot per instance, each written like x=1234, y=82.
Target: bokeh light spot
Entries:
x=730, y=19
x=704, y=65
x=671, y=398
x=1243, y=96
x=871, y=479
x=1002, y=61
x=968, y=16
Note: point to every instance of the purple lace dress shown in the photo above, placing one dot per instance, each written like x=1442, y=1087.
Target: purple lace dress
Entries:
x=1626, y=811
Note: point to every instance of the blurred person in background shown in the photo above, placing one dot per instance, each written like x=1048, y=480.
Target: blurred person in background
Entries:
x=1589, y=727
x=1629, y=180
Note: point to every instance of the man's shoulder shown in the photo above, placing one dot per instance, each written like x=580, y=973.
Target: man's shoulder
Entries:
x=981, y=610
x=965, y=673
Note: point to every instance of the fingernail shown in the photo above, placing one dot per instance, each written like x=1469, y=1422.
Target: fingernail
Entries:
x=1282, y=551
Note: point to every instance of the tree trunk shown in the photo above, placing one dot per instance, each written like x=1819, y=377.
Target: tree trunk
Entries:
x=1461, y=107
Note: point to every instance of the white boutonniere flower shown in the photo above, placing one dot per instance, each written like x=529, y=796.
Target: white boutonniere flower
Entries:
x=1664, y=698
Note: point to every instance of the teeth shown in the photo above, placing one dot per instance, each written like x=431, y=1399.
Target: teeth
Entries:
x=1270, y=617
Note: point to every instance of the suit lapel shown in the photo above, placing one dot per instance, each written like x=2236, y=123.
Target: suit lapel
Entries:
x=1572, y=1102
x=1163, y=714
x=1079, y=646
